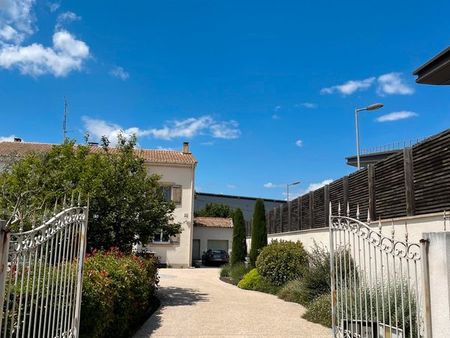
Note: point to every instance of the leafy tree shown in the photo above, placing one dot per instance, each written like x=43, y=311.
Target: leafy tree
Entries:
x=126, y=204
x=215, y=210
x=259, y=231
x=239, y=246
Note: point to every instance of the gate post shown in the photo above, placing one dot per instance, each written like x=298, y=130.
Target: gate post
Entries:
x=436, y=280
x=4, y=248
x=332, y=275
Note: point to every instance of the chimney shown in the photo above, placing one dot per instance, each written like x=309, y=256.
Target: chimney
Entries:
x=186, y=148
x=17, y=139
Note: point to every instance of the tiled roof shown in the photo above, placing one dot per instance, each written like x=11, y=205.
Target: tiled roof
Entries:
x=213, y=222
x=149, y=155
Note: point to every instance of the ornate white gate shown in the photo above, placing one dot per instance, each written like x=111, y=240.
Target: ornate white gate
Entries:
x=41, y=277
x=375, y=281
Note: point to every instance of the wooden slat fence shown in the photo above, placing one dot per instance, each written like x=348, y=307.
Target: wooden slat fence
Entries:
x=415, y=181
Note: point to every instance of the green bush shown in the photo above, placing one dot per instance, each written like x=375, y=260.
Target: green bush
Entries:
x=319, y=311
x=225, y=270
x=237, y=272
x=117, y=291
x=253, y=281
x=295, y=291
x=282, y=261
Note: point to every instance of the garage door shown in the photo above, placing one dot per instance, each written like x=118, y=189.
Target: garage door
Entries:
x=215, y=244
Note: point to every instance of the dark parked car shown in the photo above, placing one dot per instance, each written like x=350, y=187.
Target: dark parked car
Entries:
x=215, y=257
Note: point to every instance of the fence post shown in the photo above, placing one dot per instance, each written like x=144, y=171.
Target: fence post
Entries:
x=4, y=248
x=436, y=282
x=326, y=204
x=311, y=209
x=371, y=185
x=409, y=181
x=299, y=213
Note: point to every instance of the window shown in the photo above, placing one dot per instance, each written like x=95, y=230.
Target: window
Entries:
x=161, y=237
x=172, y=193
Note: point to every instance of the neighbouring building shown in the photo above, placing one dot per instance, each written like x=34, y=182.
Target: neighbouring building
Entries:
x=177, y=171
x=213, y=233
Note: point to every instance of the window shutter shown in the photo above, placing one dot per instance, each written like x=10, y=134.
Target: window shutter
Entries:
x=176, y=194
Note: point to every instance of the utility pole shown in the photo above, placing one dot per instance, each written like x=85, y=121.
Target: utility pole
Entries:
x=65, y=119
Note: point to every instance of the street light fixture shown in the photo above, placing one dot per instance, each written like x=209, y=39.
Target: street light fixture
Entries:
x=374, y=106
x=289, y=205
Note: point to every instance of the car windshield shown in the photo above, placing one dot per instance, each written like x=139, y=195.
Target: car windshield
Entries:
x=218, y=252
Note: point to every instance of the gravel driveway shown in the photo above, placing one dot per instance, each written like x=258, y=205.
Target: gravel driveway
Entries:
x=195, y=303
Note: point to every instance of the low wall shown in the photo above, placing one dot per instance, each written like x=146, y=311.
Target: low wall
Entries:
x=415, y=226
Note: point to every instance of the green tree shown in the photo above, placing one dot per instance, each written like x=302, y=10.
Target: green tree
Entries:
x=259, y=231
x=239, y=246
x=126, y=204
x=215, y=210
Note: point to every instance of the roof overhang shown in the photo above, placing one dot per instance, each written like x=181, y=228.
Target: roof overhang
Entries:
x=436, y=71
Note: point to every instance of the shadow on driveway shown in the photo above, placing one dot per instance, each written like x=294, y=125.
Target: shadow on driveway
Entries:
x=170, y=296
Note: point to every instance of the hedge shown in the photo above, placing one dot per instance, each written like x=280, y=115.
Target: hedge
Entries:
x=117, y=291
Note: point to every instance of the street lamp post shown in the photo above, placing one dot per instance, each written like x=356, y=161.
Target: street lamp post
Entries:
x=357, y=111
x=288, y=203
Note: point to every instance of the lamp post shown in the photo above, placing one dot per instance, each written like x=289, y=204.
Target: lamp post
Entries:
x=357, y=111
x=289, y=205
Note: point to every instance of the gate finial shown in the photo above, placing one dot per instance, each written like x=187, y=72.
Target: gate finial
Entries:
x=339, y=208
x=357, y=211
x=380, y=226
x=56, y=206
x=445, y=220
x=392, y=229
x=348, y=209
x=406, y=232
x=64, y=201
x=79, y=198
x=71, y=198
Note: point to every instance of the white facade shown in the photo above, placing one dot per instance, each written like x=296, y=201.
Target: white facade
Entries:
x=178, y=251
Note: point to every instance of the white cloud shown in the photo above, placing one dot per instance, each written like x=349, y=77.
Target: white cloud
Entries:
x=7, y=138
x=277, y=108
x=17, y=22
x=188, y=128
x=65, y=18
x=231, y=186
x=392, y=83
x=394, y=116
x=54, y=6
x=349, y=87
x=270, y=185
x=67, y=54
x=299, y=143
x=315, y=186
x=275, y=117
x=119, y=73
x=207, y=143
x=308, y=105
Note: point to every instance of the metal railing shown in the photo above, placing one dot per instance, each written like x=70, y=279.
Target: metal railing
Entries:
x=41, y=277
x=375, y=280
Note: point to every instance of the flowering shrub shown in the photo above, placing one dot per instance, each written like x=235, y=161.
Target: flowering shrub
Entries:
x=117, y=291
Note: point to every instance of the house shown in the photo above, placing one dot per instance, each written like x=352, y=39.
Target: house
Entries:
x=177, y=171
x=213, y=233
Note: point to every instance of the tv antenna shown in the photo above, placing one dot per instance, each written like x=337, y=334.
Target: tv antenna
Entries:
x=65, y=118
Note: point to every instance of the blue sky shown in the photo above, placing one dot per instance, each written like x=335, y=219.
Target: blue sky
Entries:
x=263, y=90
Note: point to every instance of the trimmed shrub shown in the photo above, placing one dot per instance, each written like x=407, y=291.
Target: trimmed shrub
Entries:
x=239, y=246
x=282, y=261
x=259, y=231
x=117, y=291
x=319, y=311
x=253, y=281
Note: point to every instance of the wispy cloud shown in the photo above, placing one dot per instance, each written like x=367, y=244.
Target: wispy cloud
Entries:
x=187, y=128
x=275, y=117
x=299, y=143
x=309, y=105
x=66, y=18
x=207, y=143
x=119, y=73
x=270, y=185
x=17, y=22
x=9, y=138
x=392, y=83
x=315, y=186
x=349, y=87
x=395, y=116
x=277, y=108
x=231, y=186
x=53, y=6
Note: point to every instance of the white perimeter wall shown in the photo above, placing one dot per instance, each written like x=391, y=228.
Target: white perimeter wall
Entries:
x=417, y=225
x=178, y=253
x=204, y=233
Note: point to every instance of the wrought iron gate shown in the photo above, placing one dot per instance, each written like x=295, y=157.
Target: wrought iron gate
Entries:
x=41, y=277
x=375, y=281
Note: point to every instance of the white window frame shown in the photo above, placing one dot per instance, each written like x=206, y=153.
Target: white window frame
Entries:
x=161, y=241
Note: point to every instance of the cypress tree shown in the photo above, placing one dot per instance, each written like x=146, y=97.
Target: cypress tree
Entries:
x=239, y=246
x=259, y=231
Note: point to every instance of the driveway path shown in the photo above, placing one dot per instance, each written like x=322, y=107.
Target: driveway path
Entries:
x=195, y=303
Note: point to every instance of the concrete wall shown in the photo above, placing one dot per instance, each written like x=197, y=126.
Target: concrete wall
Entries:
x=204, y=233
x=417, y=225
x=246, y=204
x=178, y=253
